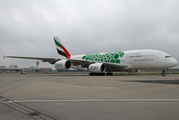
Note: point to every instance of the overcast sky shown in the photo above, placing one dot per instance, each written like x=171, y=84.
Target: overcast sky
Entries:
x=27, y=27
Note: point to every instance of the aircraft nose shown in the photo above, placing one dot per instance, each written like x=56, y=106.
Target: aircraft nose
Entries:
x=174, y=62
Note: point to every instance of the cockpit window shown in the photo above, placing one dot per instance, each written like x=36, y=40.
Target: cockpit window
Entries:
x=168, y=56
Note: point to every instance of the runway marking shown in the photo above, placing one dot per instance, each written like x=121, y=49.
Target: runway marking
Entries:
x=25, y=110
x=100, y=100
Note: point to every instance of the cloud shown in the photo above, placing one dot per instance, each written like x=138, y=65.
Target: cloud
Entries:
x=27, y=27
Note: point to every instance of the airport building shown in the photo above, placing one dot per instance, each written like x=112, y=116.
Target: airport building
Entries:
x=44, y=69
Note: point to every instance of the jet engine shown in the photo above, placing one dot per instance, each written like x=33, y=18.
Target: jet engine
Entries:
x=97, y=67
x=63, y=65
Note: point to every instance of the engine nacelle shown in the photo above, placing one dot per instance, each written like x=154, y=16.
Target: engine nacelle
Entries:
x=63, y=65
x=97, y=67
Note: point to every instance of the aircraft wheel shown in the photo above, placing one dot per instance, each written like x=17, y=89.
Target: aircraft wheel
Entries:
x=109, y=73
x=163, y=74
x=96, y=74
x=91, y=73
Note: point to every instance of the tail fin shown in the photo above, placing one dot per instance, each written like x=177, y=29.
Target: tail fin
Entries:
x=61, y=49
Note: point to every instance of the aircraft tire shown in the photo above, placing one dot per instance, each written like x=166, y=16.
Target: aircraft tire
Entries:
x=109, y=74
x=163, y=74
x=96, y=74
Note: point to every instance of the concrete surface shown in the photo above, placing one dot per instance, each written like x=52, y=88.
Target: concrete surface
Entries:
x=155, y=89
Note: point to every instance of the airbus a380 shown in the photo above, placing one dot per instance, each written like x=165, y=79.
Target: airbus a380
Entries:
x=108, y=62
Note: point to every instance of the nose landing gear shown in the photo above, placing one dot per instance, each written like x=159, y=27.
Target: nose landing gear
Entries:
x=163, y=73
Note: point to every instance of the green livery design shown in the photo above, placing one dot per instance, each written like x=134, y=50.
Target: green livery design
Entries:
x=112, y=57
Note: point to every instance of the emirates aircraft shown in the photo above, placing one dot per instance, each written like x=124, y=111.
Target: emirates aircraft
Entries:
x=108, y=62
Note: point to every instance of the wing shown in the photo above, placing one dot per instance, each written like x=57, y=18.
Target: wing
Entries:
x=50, y=60
x=109, y=66
x=75, y=62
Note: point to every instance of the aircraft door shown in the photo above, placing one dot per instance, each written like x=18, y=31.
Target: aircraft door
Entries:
x=156, y=59
x=129, y=60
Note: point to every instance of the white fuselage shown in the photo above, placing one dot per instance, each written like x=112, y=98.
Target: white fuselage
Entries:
x=148, y=59
x=140, y=60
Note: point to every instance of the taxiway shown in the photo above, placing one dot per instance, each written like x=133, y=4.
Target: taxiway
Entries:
x=79, y=97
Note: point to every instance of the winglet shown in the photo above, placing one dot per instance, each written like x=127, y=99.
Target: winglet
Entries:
x=61, y=49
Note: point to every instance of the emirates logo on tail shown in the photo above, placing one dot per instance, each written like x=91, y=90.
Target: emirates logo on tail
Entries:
x=61, y=49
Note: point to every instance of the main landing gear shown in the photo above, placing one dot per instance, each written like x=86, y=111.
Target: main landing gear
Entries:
x=96, y=74
x=163, y=73
x=109, y=74
x=100, y=74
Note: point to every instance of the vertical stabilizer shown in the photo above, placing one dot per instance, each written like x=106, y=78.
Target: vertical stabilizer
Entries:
x=61, y=49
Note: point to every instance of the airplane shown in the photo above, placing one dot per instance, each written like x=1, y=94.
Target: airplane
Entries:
x=108, y=62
